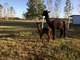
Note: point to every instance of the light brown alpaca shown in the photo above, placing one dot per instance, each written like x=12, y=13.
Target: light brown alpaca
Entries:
x=42, y=31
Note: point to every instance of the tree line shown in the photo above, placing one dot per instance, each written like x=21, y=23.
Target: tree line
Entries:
x=6, y=11
x=35, y=8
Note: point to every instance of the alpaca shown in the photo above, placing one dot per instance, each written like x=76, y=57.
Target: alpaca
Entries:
x=55, y=24
x=45, y=30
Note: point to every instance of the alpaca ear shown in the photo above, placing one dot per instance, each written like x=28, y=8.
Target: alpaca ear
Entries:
x=48, y=11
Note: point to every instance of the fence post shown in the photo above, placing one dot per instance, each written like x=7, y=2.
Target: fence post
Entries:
x=68, y=22
x=43, y=22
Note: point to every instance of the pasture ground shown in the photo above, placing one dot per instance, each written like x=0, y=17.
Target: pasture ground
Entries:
x=19, y=40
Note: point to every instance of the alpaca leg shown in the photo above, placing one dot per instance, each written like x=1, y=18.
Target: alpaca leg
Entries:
x=54, y=33
x=41, y=37
x=64, y=34
x=65, y=31
x=48, y=34
x=61, y=32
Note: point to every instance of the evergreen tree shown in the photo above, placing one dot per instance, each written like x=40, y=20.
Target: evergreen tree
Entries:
x=35, y=9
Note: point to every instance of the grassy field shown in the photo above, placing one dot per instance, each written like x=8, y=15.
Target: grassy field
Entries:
x=19, y=40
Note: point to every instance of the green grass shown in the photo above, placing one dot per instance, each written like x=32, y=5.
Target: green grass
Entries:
x=20, y=41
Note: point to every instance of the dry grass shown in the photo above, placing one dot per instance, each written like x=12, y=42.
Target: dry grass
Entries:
x=20, y=41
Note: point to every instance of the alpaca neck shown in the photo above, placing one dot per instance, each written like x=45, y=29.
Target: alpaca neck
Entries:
x=47, y=20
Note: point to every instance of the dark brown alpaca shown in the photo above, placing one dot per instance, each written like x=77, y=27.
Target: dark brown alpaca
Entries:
x=55, y=24
x=42, y=31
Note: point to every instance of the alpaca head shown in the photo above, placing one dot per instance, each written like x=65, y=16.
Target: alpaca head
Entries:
x=45, y=13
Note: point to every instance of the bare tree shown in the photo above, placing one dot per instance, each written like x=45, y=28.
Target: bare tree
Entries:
x=12, y=12
x=49, y=2
x=78, y=7
x=57, y=8
x=50, y=7
x=68, y=8
x=6, y=11
x=1, y=10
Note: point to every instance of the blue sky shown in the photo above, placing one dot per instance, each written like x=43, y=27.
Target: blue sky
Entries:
x=20, y=6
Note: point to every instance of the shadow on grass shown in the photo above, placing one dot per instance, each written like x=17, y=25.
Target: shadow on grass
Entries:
x=74, y=31
x=10, y=35
x=14, y=23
